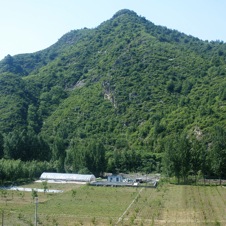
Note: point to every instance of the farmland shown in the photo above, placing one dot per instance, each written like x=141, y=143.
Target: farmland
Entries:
x=168, y=204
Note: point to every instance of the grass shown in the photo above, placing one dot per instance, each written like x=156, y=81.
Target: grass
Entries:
x=86, y=205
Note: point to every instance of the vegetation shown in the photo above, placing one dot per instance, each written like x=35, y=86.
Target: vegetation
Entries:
x=168, y=204
x=126, y=96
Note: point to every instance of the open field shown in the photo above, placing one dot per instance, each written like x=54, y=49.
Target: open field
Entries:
x=86, y=205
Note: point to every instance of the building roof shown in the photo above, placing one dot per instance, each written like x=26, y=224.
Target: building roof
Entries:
x=68, y=177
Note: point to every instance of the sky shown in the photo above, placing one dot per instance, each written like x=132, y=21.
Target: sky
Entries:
x=28, y=26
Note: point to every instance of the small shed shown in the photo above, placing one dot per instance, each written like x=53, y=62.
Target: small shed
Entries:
x=68, y=177
x=115, y=178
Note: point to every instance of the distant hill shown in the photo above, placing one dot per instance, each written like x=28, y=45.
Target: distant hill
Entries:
x=127, y=84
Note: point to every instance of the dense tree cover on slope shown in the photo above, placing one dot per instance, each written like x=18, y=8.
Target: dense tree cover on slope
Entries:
x=119, y=97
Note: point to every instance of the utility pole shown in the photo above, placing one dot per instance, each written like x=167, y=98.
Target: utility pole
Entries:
x=36, y=210
x=2, y=217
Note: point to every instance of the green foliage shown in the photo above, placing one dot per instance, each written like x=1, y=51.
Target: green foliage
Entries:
x=111, y=98
x=90, y=158
x=13, y=102
x=1, y=146
x=218, y=152
x=34, y=194
x=45, y=186
x=14, y=170
x=25, y=145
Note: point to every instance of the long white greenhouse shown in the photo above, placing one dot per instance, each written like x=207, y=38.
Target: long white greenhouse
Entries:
x=68, y=177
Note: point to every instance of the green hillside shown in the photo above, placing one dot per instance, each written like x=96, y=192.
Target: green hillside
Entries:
x=117, y=96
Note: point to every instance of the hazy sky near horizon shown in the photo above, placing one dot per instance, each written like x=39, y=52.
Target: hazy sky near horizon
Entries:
x=31, y=25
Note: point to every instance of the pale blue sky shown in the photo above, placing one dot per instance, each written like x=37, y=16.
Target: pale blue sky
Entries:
x=31, y=25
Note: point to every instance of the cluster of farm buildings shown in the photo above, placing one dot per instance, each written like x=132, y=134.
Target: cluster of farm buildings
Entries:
x=111, y=180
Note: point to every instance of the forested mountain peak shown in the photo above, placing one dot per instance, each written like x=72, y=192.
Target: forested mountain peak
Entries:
x=124, y=87
x=24, y=64
x=124, y=12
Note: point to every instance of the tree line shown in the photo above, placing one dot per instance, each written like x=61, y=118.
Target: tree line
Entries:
x=24, y=155
x=188, y=156
x=15, y=171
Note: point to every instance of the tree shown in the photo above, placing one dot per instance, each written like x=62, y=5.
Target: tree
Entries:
x=170, y=86
x=86, y=156
x=172, y=159
x=45, y=186
x=58, y=152
x=177, y=159
x=1, y=146
x=14, y=147
x=196, y=156
x=25, y=145
x=75, y=157
x=95, y=157
x=34, y=194
x=200, y=160
x=184, y=147
x=32, y=118
x=218, y=152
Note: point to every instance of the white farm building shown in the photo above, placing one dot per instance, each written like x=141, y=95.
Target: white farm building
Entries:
x=67, y=177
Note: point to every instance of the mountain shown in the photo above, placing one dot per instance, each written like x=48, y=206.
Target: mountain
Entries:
x=127, y=84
